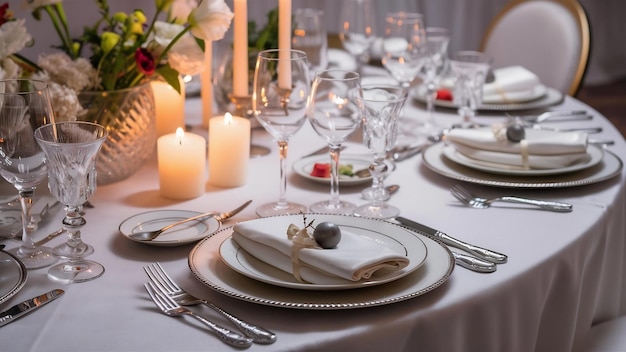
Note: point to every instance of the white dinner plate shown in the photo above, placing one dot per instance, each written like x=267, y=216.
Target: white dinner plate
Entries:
x=189, y=232
x=609, y=167
x=551, y=97
x=207, y=266
x=385, y=235
x=13, y=276
x=304, y=166
x=538, y=91
x=595, y=156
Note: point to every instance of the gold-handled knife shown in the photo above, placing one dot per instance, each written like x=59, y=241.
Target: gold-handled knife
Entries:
x=483, y=253
x=28, y=306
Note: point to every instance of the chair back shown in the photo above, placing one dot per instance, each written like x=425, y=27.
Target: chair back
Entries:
x=548, y=37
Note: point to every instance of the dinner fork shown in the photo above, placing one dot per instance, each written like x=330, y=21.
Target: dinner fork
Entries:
x=171, y=308
x=471, y=200
x=167, y=285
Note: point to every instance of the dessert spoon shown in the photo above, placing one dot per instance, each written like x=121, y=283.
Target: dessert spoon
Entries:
x=150, y=235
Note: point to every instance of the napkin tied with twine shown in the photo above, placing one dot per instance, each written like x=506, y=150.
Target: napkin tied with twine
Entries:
x=355, y=258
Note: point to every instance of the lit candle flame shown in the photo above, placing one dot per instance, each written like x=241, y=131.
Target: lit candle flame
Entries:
x=180, y=133
x=228, y=119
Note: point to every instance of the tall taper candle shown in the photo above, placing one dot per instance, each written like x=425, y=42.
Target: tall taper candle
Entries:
x=240, y=49
x=284, y=42
x=206, y=80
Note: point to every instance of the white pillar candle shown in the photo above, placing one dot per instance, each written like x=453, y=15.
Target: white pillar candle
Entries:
x=240, y=49
x=182, y=165
x=169, y=106
x=284, y=43
x=206, y=81
x=229, y=150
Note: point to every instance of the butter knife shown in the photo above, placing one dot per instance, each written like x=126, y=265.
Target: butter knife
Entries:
x=28, y=306
x=473, y=263
x=483, y=253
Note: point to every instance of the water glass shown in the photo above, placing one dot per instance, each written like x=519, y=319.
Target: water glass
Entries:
x=404, y=46
x=437, y=40
x=310, y=36
x=358, y=28
x=470, y=69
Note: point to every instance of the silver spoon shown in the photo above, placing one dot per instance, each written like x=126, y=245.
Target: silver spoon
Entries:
x=150, y=235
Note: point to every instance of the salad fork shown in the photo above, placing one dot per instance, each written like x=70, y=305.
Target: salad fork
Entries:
x=471, y=200
x=168, y=286
x=171, y=308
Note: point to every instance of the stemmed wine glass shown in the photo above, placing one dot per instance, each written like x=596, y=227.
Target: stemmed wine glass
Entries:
x=437, y=40
x=335, y=110
x=309, y=35
x=279, y=94
x=404, y=46
x=470, y=69
x=24, y=106
x=382, y=107
x=358, y=28
x=71, y=149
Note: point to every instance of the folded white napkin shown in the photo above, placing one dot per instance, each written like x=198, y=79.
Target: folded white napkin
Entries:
x=512, y=84
x=541, y=149
x=354, y=259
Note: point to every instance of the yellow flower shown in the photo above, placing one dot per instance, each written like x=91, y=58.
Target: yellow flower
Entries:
x=109, y=41
x=210, y=20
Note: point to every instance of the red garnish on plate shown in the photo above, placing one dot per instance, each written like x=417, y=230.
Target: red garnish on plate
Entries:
x=444, y=94
x=321, y=170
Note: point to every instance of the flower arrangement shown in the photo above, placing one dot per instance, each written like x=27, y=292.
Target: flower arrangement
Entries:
x=125, y=49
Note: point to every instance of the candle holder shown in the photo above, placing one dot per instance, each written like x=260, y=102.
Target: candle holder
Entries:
x=242, y=106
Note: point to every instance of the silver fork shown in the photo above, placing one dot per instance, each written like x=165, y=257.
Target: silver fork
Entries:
x=171, y=308
x=161, y=279
x=471, y=200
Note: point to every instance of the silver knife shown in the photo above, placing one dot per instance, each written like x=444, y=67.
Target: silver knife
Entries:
x=28, y=306
x=486, y=254
x=473, y=263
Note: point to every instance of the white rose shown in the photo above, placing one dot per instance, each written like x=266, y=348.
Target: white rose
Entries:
x=13, y=37
x=210, y=20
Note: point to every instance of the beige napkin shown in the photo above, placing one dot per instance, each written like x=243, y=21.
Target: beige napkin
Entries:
x=354, y=259
x=512, y=84
x=542, y=149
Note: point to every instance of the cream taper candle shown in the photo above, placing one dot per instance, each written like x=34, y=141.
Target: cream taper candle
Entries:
x=229, y=150
x=240, y=49
x=182, y=165
x=206, y=80
x=284, y=42
x=169, y=106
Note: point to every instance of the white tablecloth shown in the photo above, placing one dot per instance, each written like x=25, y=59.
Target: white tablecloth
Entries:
x=565, y=270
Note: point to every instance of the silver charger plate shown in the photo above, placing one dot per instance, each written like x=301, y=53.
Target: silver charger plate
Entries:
x=189, y=232
x=551, y=97
x=595, y=156
x=304, y=166
x=207, y=266
x=385, y=235
x=13, y=275
x=609, y=167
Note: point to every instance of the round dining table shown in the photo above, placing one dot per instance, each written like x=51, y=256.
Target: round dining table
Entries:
x=565, y=271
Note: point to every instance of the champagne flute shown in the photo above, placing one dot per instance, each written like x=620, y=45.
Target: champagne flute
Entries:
x=335, y=110
x=470, y=69
x=437, y=40
x=71, y=149
x=281, y=87
x=404, y=46
x=24, y=106
x=358, y=28
x=310, y=36
x=382, y=108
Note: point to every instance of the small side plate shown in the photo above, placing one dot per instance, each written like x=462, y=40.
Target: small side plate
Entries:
x=304, y=166
x=185, y=233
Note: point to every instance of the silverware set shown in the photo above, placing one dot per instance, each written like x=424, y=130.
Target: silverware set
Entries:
x=170, y=299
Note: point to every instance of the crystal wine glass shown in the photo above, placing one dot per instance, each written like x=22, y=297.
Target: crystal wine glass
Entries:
x=437, y=40
x=24, y=106
x=382, y=108
x=279, y=94
x=71, y=149
x=309, y=35
x=335, y=110
x=358, y=28
x=470, y=69
x=404, y=46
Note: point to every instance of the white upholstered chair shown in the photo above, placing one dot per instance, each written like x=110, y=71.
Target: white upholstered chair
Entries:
x=548, y=37
x=609, y=336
